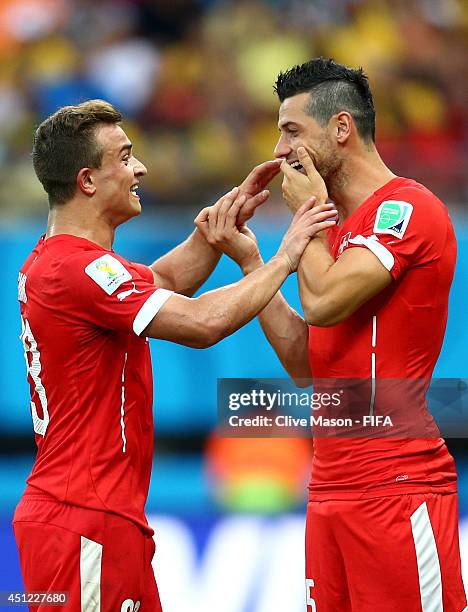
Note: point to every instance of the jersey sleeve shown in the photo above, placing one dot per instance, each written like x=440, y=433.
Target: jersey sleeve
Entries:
x=405, y=230
x=109, y=292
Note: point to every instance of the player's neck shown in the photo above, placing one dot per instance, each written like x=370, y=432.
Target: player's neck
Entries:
x=360, y=176
x=70, y=219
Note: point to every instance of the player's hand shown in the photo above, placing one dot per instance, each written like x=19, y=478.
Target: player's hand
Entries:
x=298, y=187
x=309, y=220
x=218, y=224
x=253, y=187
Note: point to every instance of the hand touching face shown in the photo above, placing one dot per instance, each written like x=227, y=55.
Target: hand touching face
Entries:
x=298, y=187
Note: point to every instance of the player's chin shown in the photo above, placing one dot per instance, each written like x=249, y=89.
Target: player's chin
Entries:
x=135, y=205
x=127, y=212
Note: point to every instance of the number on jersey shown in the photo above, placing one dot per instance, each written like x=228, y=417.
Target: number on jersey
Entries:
x=33, y=367
x=130, y=606
x=309, y=600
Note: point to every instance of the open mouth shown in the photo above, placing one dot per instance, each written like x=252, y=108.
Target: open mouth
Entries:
x=297, y=166
x=134, y=190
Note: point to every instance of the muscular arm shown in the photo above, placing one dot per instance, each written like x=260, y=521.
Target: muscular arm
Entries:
x=332, y=291
x=187, y=266
x=207, y=319
x=203, y=321
x=286, y=331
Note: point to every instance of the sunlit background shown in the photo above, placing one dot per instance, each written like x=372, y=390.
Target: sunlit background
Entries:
x=194, y=80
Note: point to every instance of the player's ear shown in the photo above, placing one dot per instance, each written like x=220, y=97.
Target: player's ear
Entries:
x=342, y=126
x=85, y=183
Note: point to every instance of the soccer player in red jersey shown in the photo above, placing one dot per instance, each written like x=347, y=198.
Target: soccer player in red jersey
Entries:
x=86, y=317
x=382, y=519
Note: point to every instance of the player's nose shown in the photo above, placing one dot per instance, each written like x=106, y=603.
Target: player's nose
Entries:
x=139, y=169
x=282, y=149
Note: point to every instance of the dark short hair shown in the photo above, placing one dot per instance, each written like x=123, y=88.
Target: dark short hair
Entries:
x=66, y=142
x=335, y=88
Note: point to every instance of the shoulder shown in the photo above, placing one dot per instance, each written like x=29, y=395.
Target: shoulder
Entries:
x=97, y=271
x=96, y=268
x=116, y=268
x=409, y=207
x=419, y=197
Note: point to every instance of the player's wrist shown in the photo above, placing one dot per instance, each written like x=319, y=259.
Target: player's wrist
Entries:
x=253, y=263
x=282, y=259
x=200, y=238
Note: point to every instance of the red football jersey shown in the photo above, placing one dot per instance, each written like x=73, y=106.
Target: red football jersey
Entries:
x=397, y=334
x=83, y=309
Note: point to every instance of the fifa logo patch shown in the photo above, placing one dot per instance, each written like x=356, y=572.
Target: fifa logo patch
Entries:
x=108, y=273
x=393, y=217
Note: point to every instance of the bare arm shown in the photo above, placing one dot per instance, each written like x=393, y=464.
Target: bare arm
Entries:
x=284, y=328
x=186, y=267
x=203, y=321
x=207, y=319
x=330, y=290
x=286, y=331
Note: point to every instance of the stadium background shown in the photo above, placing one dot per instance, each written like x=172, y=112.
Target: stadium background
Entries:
x=194, y=79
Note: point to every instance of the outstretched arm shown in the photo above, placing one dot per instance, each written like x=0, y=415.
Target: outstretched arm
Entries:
x=207, y=319
x=186, y=267
x=284, y=328
x=286, y=331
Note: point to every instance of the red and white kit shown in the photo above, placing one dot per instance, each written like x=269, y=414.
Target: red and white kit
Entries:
x=83, y=309
x=382, y=530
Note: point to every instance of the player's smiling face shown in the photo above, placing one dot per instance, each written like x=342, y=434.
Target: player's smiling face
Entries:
x=299, y=129
x=118, y=178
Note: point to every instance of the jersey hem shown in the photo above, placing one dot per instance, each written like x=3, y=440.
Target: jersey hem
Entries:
x=382, y=492
x=34, y=494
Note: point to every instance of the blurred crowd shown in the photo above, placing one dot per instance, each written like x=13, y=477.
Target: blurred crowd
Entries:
x=194, y=80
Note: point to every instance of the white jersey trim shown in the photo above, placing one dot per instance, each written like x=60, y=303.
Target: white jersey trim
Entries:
x=380, y=251
x=430, y=581
x=150, y=309
x=373, y=364
x=90, y=575
x=372, y=399
x=122, y=407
